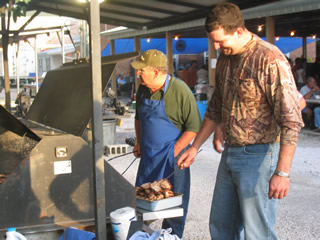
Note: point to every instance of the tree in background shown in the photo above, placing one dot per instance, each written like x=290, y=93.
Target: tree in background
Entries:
x=14, y=9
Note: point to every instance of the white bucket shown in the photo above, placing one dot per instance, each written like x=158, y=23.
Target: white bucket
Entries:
x=120, y=221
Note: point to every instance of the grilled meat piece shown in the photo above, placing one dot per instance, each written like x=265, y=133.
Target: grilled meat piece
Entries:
x=145, y=185
x=155, y=191
x=155, y=186
x=168, y=193
x=165, y=184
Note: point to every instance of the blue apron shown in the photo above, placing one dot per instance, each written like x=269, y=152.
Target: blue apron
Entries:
x=158, y=136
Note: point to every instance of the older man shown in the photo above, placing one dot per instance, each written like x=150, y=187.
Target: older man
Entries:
x=166, y=121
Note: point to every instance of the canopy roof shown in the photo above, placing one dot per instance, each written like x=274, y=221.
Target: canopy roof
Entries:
x=139, y=14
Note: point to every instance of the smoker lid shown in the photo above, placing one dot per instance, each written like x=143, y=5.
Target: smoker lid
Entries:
x=64, y=100
x=9, y=122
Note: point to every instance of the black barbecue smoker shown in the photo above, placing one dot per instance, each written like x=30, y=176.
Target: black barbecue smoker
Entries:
x=46, y=170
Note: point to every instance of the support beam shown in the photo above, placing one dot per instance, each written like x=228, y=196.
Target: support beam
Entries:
x=270, y=29
x=17, y=67
x=113, y=76
x=304, y=47
x=169, y=52
x=137, y=49
x=97, y=130
x=212, y=60
x=36, y=63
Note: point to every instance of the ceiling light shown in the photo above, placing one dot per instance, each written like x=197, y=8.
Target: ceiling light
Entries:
x=84, y=1
x=292, y=33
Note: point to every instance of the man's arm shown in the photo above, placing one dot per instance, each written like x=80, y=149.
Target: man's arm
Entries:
x=183, y=141
x=136, y=149
x=310, y=93
x=207, y=128
x=288, y=115
x=279, y=186
x=218, y=142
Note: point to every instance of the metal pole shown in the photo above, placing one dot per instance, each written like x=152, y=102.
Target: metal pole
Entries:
x=83, y=38
x=97, y=130
x=62, y=40
x=17, y=67
x=36, y=63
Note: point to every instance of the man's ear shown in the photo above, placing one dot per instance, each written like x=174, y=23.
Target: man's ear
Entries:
x=156, y=72
x=239, y=32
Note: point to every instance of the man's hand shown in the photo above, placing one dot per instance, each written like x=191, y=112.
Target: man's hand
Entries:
x=137, y=151
x=278, y=187
x=187, y=158
x=218, y=142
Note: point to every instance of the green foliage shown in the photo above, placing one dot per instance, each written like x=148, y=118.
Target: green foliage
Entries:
x=19, y=7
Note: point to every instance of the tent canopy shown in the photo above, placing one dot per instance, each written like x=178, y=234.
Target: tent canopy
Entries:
x=190, y=45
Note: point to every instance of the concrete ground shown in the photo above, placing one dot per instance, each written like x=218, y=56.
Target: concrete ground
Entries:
x=298, y=214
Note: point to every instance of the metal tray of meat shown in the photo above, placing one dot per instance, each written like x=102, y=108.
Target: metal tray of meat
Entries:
x=166, y=203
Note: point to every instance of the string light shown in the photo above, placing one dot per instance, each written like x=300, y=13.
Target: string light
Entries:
x=148, y=40
x=176, y=38
x=260, y=28
x=314, y=36
x=277, y=38
x=292, y=33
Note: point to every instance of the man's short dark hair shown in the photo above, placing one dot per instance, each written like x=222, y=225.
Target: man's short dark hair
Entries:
x=225, y=15
x=309, y=79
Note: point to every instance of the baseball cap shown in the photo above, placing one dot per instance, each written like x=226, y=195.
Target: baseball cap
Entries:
x=151, y=58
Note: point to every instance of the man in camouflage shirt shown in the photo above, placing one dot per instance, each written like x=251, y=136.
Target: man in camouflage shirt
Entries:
x=257, y=102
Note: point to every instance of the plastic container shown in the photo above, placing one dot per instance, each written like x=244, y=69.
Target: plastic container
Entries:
x=120, y=221
x=160, y=204
x=12, y=234
x=109, y=131
x=202, y=106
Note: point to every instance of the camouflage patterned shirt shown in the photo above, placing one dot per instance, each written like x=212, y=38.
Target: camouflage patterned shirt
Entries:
x=256, y=97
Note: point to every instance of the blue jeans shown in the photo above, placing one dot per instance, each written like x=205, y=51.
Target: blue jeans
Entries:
x=240, y=199
x=181, y=185
x=316, y=112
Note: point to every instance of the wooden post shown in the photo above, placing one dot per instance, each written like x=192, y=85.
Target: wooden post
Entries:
x=270, y=26
x=212, y=60
x=137, y=48
x=169, y=52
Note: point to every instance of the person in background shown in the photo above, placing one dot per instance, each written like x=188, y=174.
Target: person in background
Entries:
x=202, y=75
x=166, y=121
x=315, y=70
x=257, y=101
x=299, y=73
x=308, y=91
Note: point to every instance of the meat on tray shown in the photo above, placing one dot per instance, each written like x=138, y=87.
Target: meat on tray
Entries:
x=155, y=191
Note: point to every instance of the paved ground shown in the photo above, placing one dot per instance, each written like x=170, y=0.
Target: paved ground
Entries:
x=298, y=214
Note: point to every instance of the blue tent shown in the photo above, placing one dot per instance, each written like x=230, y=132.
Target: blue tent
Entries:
x=182, y=46
x=190, y=45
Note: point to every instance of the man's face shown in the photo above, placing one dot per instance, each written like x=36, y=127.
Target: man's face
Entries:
x=227, y=43
x=313, y=83
x=148, y=76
